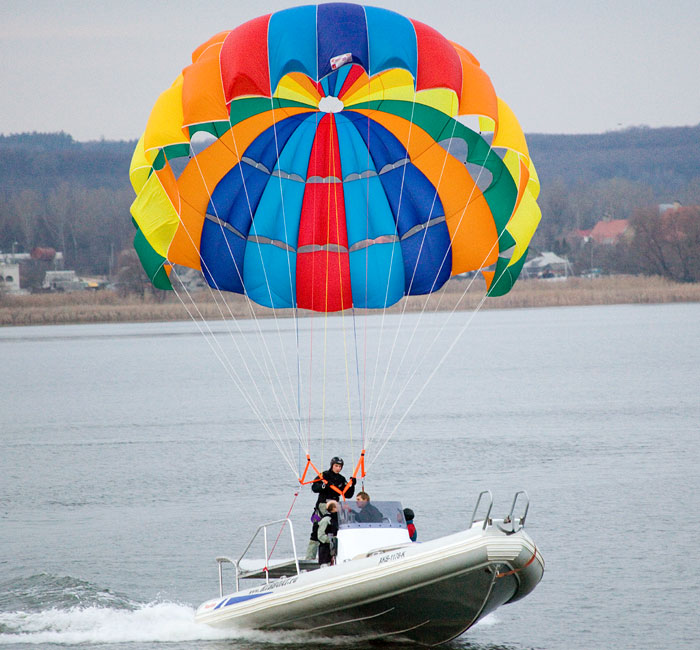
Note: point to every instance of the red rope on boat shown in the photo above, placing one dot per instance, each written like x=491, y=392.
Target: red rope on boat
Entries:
x=514, y=571
x=289, y=512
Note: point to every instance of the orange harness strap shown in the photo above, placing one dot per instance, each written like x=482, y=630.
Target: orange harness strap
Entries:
x=514, y=571
x=359, y=467
x=319, y=476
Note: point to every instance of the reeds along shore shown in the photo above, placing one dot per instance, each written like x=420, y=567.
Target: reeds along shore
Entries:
x=109, y=307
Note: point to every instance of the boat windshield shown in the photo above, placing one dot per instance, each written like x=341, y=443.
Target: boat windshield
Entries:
x=376, y=514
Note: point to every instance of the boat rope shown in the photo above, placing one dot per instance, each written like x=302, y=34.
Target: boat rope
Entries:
x=277, y=539
x=514, y=571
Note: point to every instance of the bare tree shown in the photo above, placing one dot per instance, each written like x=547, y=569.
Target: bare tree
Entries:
x=28, y=207
x=668, y=244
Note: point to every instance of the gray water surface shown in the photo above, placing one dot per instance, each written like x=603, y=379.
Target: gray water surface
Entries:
x=129, y=461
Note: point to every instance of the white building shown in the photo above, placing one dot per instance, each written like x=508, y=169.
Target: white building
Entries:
x=62, y=281
x=9, y=277
x=548, y=264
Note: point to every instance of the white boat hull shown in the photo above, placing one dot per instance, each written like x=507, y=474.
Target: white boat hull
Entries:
x=429, y=592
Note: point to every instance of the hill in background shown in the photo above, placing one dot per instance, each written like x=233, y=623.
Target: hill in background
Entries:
x=75, y=196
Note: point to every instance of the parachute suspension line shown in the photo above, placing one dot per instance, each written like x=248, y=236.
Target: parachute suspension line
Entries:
x=454, y=342
x=384, y=424
x=289, y=268
x=220, y=354
x=447, y=352
x=312, y=320
x=247, y=299
x=310, y=381
x=299, y=448
x=250, y=309
x=258, y=412
x=284, y=418
x=429, y=378
x=363, y=397
x=357, y=375
x=265, y=275
x=325, y=320
x=336, y=211
x=218, y=351
x=373, y=400
x=384, y=396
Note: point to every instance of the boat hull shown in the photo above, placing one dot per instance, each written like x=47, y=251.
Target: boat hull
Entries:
x=429, y=593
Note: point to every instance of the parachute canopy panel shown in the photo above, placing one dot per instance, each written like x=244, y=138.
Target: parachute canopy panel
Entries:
x=317, y=157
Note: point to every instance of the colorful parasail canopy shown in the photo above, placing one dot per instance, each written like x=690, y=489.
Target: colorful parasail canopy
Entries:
x=319, y=157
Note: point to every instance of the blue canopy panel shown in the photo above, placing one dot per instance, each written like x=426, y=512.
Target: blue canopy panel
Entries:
x=269, y=265
x=341, y=29
x=376, y=265
x=291, y=43
x=222, y=244
x=416, y=208
x=305, y=39
x=232, y=204
x=425, y=239
x=392, y=41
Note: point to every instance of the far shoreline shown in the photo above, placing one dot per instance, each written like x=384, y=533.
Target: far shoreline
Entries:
x=109, y=307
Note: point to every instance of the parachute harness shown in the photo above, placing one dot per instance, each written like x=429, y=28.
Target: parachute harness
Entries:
x=359, y=469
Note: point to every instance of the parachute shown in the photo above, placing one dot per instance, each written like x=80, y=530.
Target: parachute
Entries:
x=333, y=157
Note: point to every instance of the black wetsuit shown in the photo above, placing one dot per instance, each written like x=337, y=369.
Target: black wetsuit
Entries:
x=327, y=493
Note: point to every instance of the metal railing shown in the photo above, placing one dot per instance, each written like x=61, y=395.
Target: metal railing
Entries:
x=476, y=507
x=516, y=523
x=237, y=563
x=510, y=519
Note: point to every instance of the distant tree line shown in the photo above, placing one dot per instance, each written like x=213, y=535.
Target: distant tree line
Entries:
x=70, y=196
x=75, y=197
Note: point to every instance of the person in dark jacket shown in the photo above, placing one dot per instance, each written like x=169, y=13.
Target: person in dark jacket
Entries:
x=327, y=529
x=409, y=515
x=366, y=512
x=331, y=477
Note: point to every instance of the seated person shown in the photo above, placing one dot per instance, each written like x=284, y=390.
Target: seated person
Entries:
x=367, y=513
x=327, y=529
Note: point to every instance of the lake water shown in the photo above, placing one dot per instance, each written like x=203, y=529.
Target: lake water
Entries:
x=129, y=461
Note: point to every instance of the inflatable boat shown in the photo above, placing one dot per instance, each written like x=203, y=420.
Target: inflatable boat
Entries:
x=382, y=584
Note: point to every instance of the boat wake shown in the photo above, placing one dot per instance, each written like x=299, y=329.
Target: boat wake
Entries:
x=46, y=609
x=89, y=625
x=149, y=623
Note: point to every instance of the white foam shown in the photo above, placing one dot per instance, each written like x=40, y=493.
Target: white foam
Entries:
x=155, y=622
x=160, y=622
x=487, y=621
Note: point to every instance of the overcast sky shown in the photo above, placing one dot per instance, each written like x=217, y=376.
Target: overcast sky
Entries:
x=94, y=68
